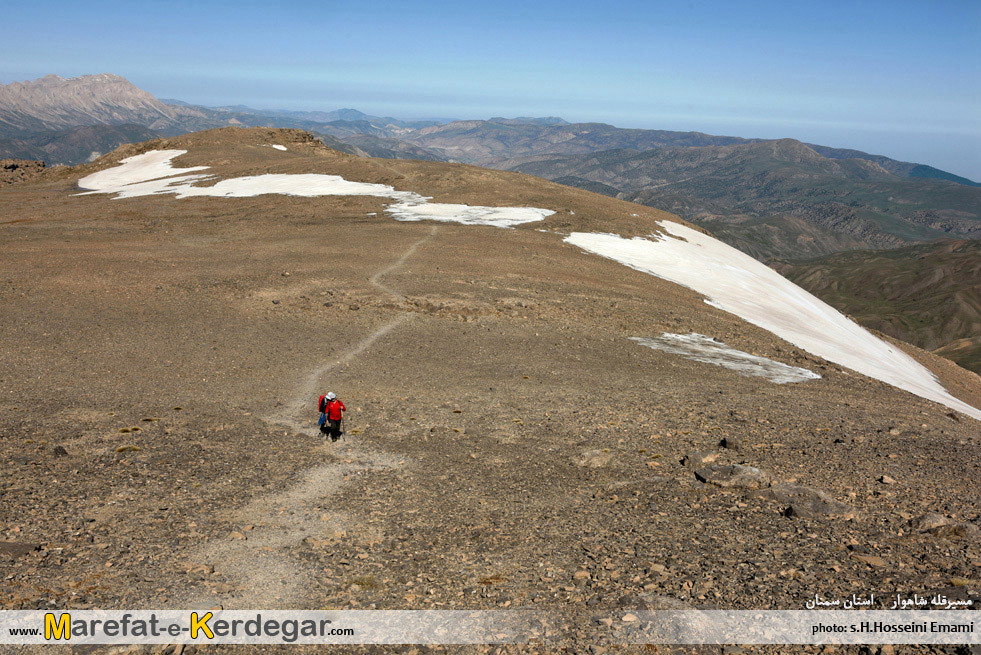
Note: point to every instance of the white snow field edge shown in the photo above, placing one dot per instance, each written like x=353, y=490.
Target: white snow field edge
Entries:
x=152, y=173
x=467, y=214
x=736, y=283
x=705, y=349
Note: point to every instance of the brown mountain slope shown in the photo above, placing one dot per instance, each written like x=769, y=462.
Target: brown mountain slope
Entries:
x=929, y=295
x=508, y=445
x=73, y=145
x=778, y=199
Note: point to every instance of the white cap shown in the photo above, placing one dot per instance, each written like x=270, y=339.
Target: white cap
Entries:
x=330, y=395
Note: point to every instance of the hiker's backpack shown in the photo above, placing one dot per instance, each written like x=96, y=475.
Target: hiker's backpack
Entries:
x=322, y=404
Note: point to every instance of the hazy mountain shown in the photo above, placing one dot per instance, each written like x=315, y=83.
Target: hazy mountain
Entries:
x=900, y=168
x=499, y=143
x=55, y=103
x=929, y=295
x=777, y=198
x=388, y=148
x=366, y=123
x=67, y=120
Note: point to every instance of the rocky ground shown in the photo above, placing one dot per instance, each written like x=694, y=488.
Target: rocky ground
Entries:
x=507, y=445
x=13, y=171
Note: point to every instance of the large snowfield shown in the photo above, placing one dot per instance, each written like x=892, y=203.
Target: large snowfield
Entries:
x=736, y=283
x=153, y=173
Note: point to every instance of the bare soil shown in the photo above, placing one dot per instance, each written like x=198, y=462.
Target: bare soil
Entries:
x=161, y=363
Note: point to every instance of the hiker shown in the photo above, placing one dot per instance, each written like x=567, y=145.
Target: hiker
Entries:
x=331, y=415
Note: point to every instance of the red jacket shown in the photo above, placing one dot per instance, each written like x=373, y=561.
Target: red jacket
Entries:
x=333, y=408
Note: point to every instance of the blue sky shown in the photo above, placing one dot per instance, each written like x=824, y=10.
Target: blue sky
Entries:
x=896, y=78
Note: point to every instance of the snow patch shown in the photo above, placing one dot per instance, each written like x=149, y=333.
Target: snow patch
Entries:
x=467, y=214
x=283, y=148
x=736, y=283
x=153, y=173
x=305, y=185
x=705, y=349
x=130, y=178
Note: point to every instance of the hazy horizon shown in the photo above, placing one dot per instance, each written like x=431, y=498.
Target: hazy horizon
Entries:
x=898, y=79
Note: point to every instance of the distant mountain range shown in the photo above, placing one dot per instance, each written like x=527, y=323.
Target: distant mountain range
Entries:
x=775, y=199
x=778, y=199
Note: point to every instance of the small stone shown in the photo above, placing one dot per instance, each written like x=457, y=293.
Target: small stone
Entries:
x=59, y=451
x=236, y=535
x=872, y=560
x=594, y=459
x=581, y=575
x=629, y=618
x=695, y=459
x=885, y=479
x=734, y=476
x=730, y=443
x=128, y=449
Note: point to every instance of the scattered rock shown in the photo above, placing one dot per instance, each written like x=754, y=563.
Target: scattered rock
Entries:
x=128, y=449
x=59, y=451
x=653, y=602
x=734, y=476
x=885, y=479
x=13, y=171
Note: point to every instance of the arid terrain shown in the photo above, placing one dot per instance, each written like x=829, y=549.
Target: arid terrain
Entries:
x=929, y=295
x=507, y=444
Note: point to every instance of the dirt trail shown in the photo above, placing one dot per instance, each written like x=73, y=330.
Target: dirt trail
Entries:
x=255, y=563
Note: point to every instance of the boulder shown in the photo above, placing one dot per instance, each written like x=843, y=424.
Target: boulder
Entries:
x=806, y=502
x=943, y=526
